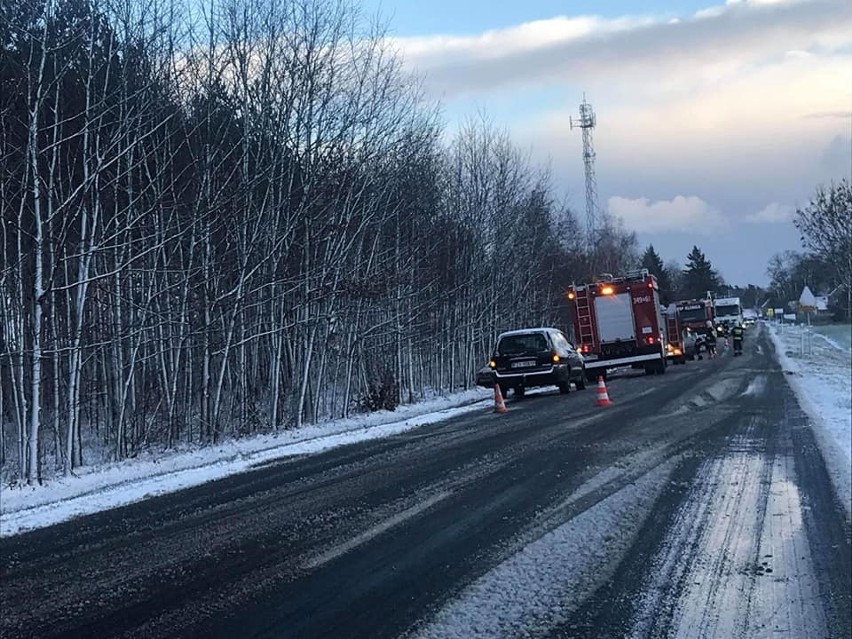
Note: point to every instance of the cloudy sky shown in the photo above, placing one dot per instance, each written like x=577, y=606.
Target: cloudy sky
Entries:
x=714, y=121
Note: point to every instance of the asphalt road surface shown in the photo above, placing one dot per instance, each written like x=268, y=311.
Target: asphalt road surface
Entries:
x=696, y=506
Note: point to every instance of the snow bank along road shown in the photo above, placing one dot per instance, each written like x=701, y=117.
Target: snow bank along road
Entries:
x=696, y=506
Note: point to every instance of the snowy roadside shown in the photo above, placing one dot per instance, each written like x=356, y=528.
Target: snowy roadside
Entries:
x=821, y=377
x=98, y=488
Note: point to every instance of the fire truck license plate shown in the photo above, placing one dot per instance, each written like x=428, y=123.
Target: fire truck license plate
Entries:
x=522, y=364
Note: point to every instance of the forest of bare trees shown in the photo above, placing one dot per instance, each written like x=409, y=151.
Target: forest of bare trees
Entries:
x=242, y=215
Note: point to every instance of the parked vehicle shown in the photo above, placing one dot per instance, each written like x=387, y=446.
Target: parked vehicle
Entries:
x=695, y=316
x=680, y=341
x=534, y=357
x=728, y=311
x=618, y=321
x=485, y=377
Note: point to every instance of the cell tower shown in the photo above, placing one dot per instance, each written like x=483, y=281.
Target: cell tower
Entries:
x=587, y=122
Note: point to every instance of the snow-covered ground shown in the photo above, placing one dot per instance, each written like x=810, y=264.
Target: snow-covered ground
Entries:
x=821, y=375
x=527, y=593
x=840, y=334
x=98, y=488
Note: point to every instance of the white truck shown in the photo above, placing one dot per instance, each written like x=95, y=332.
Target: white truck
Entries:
x=728, y=311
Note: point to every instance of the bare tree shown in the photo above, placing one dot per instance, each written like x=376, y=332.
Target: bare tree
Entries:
x=826, y=228
x=237, y=216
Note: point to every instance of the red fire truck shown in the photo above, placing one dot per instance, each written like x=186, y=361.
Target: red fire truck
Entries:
x=618, y=321
x=694, y=314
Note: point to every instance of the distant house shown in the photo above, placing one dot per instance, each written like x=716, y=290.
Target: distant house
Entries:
x=807, y=300
x=812, y=306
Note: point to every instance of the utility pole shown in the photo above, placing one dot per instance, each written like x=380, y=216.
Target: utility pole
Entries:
x=586, y=123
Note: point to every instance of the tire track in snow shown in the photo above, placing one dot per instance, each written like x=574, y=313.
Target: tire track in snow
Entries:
x=748, y=571
x=528, y=589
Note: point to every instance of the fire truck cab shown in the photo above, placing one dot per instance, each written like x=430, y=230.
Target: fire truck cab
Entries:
x=618, y=321
x=694, y=314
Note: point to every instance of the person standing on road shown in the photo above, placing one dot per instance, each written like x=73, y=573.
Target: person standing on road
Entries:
x=737, y=333
x=710, y=340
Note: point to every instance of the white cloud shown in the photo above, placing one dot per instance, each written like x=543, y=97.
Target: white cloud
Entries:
x=585, y=49
x=757, y=2
x=773, y=213
x=436, y=51
x=741, y=106
x=762, y=132
x=682, y=214
x=797, y=53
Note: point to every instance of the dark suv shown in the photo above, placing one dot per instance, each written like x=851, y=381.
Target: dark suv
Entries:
x=536, y=357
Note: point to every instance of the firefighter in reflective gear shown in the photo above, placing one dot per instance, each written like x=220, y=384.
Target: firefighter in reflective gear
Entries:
x=710, y=340
x=737, y=333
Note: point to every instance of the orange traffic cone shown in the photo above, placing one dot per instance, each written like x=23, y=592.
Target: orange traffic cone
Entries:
x=499, y=403
x=603, y=398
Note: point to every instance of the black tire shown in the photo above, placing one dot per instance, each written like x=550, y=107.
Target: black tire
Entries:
x=657, y=368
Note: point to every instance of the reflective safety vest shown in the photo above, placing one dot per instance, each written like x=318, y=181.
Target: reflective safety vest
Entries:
x=737, y=332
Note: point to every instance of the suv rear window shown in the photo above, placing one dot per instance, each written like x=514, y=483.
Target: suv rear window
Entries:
x=522, y=344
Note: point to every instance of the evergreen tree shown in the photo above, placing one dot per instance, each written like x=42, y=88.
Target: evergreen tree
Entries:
x=699, y=277
x=652, y=261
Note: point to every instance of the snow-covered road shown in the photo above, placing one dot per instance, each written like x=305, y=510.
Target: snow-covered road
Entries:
x=736, y=561
x=697, y=505
x=819, y=370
